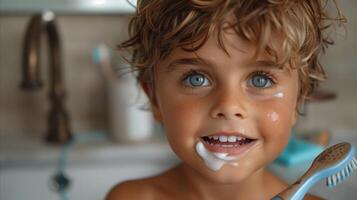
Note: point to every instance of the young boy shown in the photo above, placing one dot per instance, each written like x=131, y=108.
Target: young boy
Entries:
x=225, y=79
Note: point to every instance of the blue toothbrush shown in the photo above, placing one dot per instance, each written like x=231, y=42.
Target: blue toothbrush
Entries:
x=334, y=164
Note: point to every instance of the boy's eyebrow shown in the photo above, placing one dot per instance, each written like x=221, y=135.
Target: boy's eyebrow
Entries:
x=202, y=62
x=186, y=61
x=265, y=63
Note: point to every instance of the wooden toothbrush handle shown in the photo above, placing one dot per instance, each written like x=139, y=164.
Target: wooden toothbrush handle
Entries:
x=288, y=192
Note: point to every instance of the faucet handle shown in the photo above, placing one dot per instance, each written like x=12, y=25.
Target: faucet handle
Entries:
x=30, y=55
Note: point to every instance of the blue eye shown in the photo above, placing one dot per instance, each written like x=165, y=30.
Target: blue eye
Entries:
x=260, y=81
x=196, y=80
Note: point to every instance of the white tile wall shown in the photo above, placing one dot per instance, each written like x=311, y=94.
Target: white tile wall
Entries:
x=86, y=92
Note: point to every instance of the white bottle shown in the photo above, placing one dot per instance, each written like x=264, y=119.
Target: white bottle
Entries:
x=129, y=121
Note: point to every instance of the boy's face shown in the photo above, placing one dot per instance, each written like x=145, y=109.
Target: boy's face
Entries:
x=209, y=93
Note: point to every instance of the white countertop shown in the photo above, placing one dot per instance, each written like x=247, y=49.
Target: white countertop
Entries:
x=93, y=164
x=28, y=151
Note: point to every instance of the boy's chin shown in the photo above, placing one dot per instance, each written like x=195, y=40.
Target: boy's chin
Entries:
x=228, y=175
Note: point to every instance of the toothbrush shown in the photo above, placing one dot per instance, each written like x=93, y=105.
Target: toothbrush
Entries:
x=335, y=164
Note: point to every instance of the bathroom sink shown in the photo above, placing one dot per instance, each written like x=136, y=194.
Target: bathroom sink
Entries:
x=27, y=167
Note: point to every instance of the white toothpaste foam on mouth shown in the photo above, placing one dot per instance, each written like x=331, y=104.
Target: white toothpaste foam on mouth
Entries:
x=214, y=161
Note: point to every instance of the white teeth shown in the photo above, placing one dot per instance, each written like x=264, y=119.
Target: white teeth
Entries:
x=223, y=138
x=232, y=138
x=226, y=138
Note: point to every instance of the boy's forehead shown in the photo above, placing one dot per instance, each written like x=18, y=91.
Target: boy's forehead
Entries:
x=233, y=46
x=225, y=42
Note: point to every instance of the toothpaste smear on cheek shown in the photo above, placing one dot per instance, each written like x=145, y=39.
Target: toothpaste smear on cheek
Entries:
x=279, y=95
x=263, y=97
x=215, y=161
x=273, y=116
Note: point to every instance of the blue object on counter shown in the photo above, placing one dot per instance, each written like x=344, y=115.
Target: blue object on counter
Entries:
x=298, y=151
x=60, y=181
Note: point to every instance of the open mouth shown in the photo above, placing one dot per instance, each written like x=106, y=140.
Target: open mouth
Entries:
x=227, y=143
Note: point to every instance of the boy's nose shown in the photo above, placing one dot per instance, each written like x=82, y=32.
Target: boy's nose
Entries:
x=229, y=105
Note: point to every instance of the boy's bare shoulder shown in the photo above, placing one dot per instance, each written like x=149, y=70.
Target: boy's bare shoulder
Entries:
x=156, y=187
x=134, y=189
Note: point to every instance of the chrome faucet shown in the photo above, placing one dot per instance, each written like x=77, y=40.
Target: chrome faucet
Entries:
x=58, y=123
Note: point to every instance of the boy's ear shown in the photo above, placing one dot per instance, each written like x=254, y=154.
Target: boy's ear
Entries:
x=296, y=112
x=294, y=118
x=299, y=105
x=150, y=93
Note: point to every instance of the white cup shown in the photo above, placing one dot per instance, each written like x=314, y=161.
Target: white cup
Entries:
x=129, y=121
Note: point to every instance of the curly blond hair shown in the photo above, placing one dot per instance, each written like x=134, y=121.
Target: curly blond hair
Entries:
x=159, y=26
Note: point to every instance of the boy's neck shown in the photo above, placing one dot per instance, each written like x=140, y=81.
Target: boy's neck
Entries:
x=252, y=188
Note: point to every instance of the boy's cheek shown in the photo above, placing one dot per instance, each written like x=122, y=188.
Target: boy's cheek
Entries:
x=181, y=117
x=275, y=126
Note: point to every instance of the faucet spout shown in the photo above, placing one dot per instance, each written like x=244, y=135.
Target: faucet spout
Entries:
x=58, y=123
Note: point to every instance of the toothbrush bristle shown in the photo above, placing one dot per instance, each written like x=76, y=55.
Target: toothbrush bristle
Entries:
x=340, y=176
x=343, y=174
x=354, y=163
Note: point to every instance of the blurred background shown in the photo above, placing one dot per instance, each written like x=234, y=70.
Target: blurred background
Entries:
x=99, y=133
